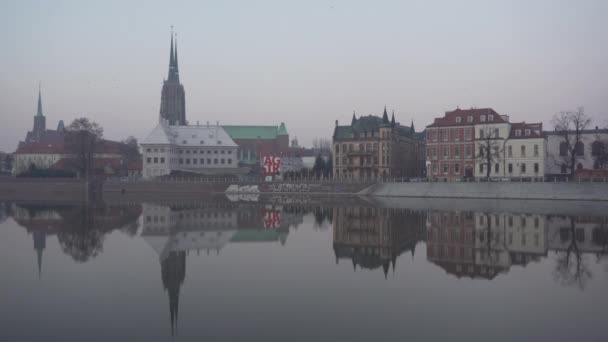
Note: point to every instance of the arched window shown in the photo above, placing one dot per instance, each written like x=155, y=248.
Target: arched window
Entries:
x=597, y=148
x=564, y=168
x=579, y=149
x=563, y=149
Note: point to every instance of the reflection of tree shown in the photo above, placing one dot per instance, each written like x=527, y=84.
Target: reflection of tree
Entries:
x=492, y=244
x=571, y=268
x=5, y=211
x=82, y=240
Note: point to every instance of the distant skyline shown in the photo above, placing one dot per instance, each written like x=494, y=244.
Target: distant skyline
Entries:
x=305, y=63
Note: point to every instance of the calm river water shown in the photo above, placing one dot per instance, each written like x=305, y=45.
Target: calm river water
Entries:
x=304, y=269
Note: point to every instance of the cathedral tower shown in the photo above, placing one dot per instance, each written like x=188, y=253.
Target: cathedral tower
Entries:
x=173, y=98
x=39, y=120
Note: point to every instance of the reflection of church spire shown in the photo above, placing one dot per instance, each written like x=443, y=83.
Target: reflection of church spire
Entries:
x=39, y=245
x=173, y=271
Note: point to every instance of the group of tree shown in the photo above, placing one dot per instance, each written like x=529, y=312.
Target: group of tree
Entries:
x=322, y=168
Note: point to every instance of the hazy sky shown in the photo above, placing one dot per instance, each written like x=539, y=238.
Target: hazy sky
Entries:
x=306, y=63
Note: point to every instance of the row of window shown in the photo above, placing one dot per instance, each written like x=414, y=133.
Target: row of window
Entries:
x=161, y=160
x=468, y=152
x=189, y=151
x=597, y=148
x=456, y=168
x=369, y=147
x=444, y=134
x=363, y=160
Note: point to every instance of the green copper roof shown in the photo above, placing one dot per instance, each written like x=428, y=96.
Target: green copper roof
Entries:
x=282, y=129
x=254, y=132
x=252, y=235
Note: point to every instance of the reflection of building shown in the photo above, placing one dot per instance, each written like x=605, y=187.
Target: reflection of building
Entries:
x=372, y=146
x=482, y=245
x=69, y=222
x=175, y=231
x=375, y=237
x=585, y=234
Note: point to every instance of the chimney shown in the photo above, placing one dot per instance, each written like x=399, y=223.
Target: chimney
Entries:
x=336, y=122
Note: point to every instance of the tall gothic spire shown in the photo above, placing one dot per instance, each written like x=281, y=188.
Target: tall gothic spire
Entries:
x=173, y=75
x=39, y=111
x=175, y=58
x=354, y=119
x=393, y=119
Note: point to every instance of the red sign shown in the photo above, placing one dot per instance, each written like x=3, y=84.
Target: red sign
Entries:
x=271, y=165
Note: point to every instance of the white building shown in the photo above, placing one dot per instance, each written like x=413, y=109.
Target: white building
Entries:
x=520, y=146
x=201, y=149
x=556, y=161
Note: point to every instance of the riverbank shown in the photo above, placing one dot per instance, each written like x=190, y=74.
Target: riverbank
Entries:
x=499, y=190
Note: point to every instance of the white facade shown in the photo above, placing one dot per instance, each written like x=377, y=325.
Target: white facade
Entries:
x=521, y=148
x=23, y=161
x=556, y=161
x=196, y=148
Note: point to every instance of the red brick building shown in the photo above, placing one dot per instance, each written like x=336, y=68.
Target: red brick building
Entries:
x=451, y=142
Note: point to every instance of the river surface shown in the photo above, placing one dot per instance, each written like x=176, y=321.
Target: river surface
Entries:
x=304, y=269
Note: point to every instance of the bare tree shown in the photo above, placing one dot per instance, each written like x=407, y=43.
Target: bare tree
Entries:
x=569, y=125
x=491, y=148
x=322, y=144
x=82, y=139
x=571, y=267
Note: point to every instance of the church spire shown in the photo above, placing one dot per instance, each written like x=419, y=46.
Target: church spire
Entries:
x=175, y=59
x=172, y=61
x=393, y=119
x=39, y=111
x=385, y=116
x=412, y=127
x=354, y=119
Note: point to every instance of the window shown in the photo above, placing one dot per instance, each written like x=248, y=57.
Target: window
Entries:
x=223, y=161
x=155, y=160
x=181, y=160
x=481, y=151
x=445, y=153
x=445, y=134
x=208, y=160
x=536, y=222
x=187, y=151
x=510, y=151
x=523, y=167
x=579, y=149
x=510, y=168
x=469, y=119
x=456, y=151
x=184, y=142
x=162, y=160
x=434, y=135
x=597, y=148
x=490, y=117
x=527, y=132
x=496, y=168
x=361, y=147
x=194, y=161
x=536, y=150
x=523, y=150
x=375, y=146
x=434, y=168
x=496, y=133
x=445, y=169
x=523, y=221
x=434, y=152
x=215, y=161
x=187, y=160
x=368, y=147
x=468, y=151
x=223, y=152
x=563, y=149
x=457, y=134
x=482, y=118
x=468, y=133
x=482, y=134
x=343, y=148
x=458, y=119
x=215, y=152
x=148, y=150
x=229, y=161
x=457, y=169
x=480, y=168
x=518, y=132
x=149, y=160
x=202, y=160
x=536, y=167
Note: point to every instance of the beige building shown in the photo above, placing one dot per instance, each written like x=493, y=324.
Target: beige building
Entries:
x=372, y=147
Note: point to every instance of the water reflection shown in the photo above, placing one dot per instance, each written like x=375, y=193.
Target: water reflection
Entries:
x=465, y=244
x=374, y=237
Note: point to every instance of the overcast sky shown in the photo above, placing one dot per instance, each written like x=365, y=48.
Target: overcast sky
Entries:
x=307, y=63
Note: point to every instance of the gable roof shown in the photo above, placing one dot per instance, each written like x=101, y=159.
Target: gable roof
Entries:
x=536, y=130
x=194, y=135
x=449, y=118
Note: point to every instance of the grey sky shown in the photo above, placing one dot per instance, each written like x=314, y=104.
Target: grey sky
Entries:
x=306, y=63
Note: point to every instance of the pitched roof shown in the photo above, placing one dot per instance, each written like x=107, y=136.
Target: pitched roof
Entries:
x=195, y=135
x=255, y=132
x=40, y=148
x=536, y=130
x=370, y=123
x=450, y=117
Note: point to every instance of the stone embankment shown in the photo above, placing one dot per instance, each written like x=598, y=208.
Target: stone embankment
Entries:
x=498, y=190
x=42, y=190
